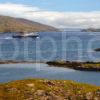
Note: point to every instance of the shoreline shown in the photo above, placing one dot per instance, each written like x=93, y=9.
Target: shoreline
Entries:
x=81, y=66
x=19, y=62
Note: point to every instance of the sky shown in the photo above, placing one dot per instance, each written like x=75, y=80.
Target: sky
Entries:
x=57, y=13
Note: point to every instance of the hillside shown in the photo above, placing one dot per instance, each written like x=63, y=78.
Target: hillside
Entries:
x=37, y=89
x=91, y=30
x=10, y=24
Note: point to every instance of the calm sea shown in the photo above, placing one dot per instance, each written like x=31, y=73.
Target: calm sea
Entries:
x=49, y=46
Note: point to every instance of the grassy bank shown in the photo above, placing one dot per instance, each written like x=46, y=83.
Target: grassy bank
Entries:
x=38, y=89
x=82, y=66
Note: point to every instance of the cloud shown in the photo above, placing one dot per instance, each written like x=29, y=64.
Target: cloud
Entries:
x=54, y=18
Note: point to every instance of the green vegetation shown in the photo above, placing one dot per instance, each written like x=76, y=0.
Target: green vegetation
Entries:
x=83, y=66
x=10, y=24
x=39, y=89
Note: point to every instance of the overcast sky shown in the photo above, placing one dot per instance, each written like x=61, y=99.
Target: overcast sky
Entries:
x=58, y=13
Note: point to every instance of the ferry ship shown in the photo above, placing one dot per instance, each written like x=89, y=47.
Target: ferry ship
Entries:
x=24, y=35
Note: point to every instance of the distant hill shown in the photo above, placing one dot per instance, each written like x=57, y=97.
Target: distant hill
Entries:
x=71, y=29
x=91, y=30
x=10, y=24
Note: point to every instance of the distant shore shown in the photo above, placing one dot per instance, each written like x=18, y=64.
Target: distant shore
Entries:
x=18, y=62
x=81, y=66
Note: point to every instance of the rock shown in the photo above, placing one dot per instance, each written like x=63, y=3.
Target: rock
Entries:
x=12, y=90
x=96, y=98
x=49, y=83
x=30, y=99
x=98, y=92
x=40, y=93
x=30, y=85
x=52, y=96
x=89, y=96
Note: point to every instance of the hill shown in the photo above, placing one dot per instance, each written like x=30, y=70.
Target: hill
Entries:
x=11, y=24
x=38, y=89
x=91, y=30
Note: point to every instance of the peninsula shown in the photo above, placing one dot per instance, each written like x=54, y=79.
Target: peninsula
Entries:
x=82, y=66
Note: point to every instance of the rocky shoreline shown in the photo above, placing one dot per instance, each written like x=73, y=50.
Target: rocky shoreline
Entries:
x=81, y=66
x=43, y=89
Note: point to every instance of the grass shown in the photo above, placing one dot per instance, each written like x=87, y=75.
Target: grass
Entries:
x=40, y=89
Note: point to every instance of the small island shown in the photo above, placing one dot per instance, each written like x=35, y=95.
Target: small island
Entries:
x=82, y=66
x=97, y=50
x=43, y=89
